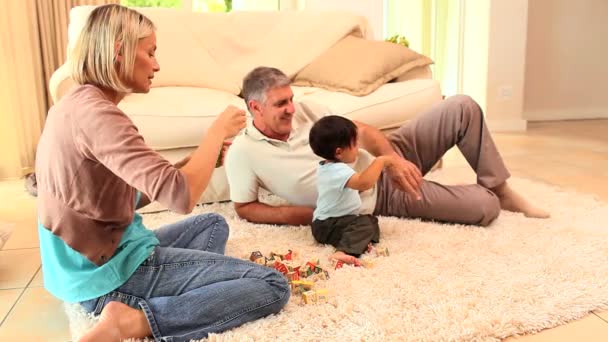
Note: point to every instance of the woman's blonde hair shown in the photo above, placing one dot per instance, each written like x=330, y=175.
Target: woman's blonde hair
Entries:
x=110, y=30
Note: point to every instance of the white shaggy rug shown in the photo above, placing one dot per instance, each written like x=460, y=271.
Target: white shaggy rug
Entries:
x=440, y=282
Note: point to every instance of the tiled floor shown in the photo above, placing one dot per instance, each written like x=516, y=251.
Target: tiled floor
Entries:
x=573, y=155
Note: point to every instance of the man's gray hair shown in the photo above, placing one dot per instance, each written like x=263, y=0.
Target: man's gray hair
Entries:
x=261, y=79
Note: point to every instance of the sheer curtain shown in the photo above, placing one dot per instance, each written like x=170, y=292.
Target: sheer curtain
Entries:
x=33, y=39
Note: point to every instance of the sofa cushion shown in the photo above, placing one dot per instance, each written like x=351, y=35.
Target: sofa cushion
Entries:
x=176, y=117
x=183, y=57
x=390, y=106
x=216, y=50
x=358, y=66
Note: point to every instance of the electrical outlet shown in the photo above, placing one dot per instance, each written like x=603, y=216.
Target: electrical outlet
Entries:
x=505, y=92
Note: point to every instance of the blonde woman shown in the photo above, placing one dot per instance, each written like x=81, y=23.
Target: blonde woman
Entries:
x=94, y=169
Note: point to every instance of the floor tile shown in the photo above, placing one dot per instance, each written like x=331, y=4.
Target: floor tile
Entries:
x=25, y=234
x=589, y=329
x=18, y=209
x=603, y=315
x=15, y=200
x=17, y=267
x=6, y=227
x=7, y=299
x=38, y=316
x=37, y=281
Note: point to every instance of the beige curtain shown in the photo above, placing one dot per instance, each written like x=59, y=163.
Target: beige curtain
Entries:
x=53, y=19
x=33, y=40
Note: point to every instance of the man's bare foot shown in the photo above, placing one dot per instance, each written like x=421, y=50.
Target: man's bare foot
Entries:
x=345, y=258
x=118, y=322
x=512, y=201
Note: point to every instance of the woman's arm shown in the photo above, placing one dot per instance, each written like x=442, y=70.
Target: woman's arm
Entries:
x=199, y=168
x=110, y=137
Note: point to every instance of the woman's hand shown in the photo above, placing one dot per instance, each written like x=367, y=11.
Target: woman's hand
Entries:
x=231, y=121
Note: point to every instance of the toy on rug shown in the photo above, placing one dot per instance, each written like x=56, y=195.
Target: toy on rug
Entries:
x=319, y=296
x=367, y=259
x=377, y=251
x=302, y=278
x=284, y=264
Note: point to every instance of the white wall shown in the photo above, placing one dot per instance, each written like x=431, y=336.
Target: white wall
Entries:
x=475, y=48
x=506, y=64
x=255, y=5
x=372, y=9
x=406, y=19
x=566, y=60
x=494, y=59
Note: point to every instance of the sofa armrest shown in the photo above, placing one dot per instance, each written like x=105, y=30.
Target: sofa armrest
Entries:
x=60, y=82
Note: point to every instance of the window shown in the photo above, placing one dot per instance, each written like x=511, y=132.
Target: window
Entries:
x=211, y=5
x=194, y=5
x=152, y=3
x=433, y=28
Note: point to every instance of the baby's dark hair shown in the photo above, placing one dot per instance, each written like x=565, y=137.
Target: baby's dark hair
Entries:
x=329, y=133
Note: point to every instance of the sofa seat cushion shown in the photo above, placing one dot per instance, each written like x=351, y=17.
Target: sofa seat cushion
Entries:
x=176, y=117
x=389, y=106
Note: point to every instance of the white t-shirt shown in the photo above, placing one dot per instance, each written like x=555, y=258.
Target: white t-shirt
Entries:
x=335, y=199
x=284, y=168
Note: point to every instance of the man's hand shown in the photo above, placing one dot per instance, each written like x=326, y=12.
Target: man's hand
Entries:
x=406, y=176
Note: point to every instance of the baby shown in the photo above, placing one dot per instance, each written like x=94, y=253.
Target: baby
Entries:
x=336, y=219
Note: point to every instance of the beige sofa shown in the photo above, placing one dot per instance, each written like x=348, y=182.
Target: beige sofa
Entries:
x=203, y=57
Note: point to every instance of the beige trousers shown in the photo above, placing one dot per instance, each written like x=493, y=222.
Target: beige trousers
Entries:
x=456, y=121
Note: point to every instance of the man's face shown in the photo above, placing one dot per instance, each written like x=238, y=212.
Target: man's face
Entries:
x=274, y=116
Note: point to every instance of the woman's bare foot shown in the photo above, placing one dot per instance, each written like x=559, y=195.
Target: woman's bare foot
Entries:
x=345, y=258
x=117, y=322
x=512, y=201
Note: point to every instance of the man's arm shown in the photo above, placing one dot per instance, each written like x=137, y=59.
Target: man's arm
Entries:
x=373, y=141
x=404, y=173
x=258, y=212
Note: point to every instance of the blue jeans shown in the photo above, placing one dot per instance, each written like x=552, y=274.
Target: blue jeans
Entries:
x=187, y=288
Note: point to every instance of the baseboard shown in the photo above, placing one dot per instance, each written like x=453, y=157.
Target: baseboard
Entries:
x=569, y=114
x=507, y=125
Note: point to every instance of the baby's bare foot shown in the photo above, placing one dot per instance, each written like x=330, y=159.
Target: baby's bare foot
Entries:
x=345, y=258
x=370, y=247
